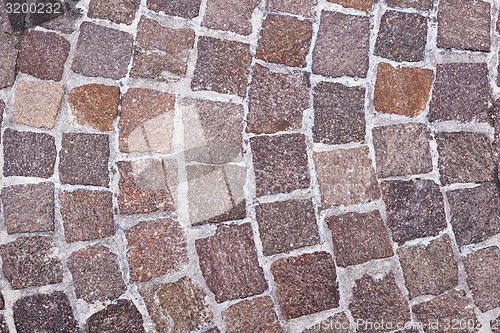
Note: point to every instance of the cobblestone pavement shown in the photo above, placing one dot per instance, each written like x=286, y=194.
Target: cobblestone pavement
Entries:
x=251, y=166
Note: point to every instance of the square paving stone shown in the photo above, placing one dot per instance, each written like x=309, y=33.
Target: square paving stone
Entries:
x=339, y=114
x=364, y=5
x=161, y=53
x=28, y=154
x=280, y=163
x=359, y=237
x=415, y=209
x=286, y=225
x=235, y=16
x=338, y=323
x=305, y=284
x=28, y=208
x=30, y=261
x=417, y=4
x=8, y=57
x=303, y=8
x=119, y=317
x=342, y=45
x=471, y=32
x=102, y=51
x=118, y=11
x=228, y=261
x=346, y=176
x=256, y=315
x=83, y=159
x=401, y=150
x=184, y=8
x=276, y=101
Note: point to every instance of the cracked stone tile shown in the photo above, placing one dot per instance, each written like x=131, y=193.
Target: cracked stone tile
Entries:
x=8, y=57
x=235, y=16
x=363, y=5
x=302, y=8
x=249, y=316
x=118, y=11
x=121, y=316
x=338, y=323
x=187, y=9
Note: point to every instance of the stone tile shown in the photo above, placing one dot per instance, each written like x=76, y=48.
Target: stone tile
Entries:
x=401, y=150
x=8, y=57
x=83, y=159
x=66, y=23
x=482, y=277
x=415, y=209
x=5, y=25
x=276, y=101
x=363, y=5
x=230, y=15
x=252, y=316
x=37, y=103
x=183, y=8
x=402, y=90
x=305, y=284
x=95, y=105
x=346, y=176
x=118, y=11
x=28, y=154
x=155, y=248
x=121, y=316
x=471, y=32
x=147, y=121
x=339, y=114
x=461, y=92
x=28, y=208
x=465, y=157
x=30, y=261
x=96, y=275
x=102, y=51
x=359, y=237
x=280, y=163
x=161, y=53
x=228, y=261
x=302, y=8
x=286, y=225
x=222, y=66
x=338, y=323
x=45, y=313
x=87, y=215
x=417, y=4
x=378, y=301
x=342, y=45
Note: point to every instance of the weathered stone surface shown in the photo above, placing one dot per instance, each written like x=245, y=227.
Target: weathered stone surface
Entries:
x=66, y=23
x=235, y=16
x=119, y=317
x=417, y=4
x=302, y=8
x=8, y=57
x=118, y=11
x=364, y=5
x=256, y=315
x=184, y=8
x=338, y=323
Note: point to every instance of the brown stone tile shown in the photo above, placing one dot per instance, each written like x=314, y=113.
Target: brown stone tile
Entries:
x=8, y=57
x=402, y=90
x=276, y=101
x=338, y=323
x=305, y=284
x=364, y=5
x=118, y=11
x=119, y=317
x=184, y=8
x=417, y=4
x=252, y=316
x=66, y=23
x=346, y=176
x=230, y=16
x=342, y=45
x=5, y=24
x=280, y=163
x=302, y=8
x=228, y=261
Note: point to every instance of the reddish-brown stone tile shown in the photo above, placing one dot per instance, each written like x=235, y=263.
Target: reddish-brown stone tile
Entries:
x=252, y=316
x=184, y=8
x=338, y=323
x=8, y=57
x=230, y=16
x=417, y=4
x=119, y=317
x=66, y=23
x=302, y=8
x=364, y=5
x=118, y=11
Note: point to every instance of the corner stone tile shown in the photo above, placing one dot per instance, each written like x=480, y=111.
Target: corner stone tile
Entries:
x=187, y=9
x=228, y=261
x=338, y=323
x=252, y=316
x=401, y=150
x=402, y=90
x=230, y=16
x=147, y=121
x=96, y=274
x=8, y=57
x=346, y=177
x=280, y=163
x=118, y=11
x=342, y=45
x=276, y=101
x=482, y=277
x=28, y=208
x=119, y=317
x=305, y=284
x=29, y=261
x=363, y=5
x=359, y=237
x=417, y=4
x=102, y=51
x=303, y=8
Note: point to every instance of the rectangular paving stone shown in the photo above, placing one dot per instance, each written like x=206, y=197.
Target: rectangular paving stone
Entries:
x=364, y=5
x=303, y=8
x=338, y=323
x=234, y=16
x=256, y=315
x=8, y=57
x=417, y=4
x=118, y=11
x=183, y=8
x=121, y=316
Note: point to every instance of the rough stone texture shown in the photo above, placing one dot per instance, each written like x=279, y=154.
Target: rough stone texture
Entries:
x=401, y=150
x=95, y=105
x=471, y=32
x=83, y=159
x=3, y=325
x=28, y=154
x=96, y=274
x=161, y=53
x=342, y=45
x=359, y=237
x=286, y=225
x=417, y=4
x=461, y=92
x=102, y=51
x=65, y=23
x=302, y=8
x=147, y=121
x=120, y=317
x=415, y=209
x=118, y=11
x=155, y=248
x=228, y=261
x=364, y=5
x=280, y=163
x=338, y=323
x=28, y=208
x=252, y=316
x=87, y=215
x=184, y=8
x=402, y=90
x=339, y=114
x=30, y=261
x=45, y=313
x=346, y=176
x=305, y=284
x=495, y=325
x=233, y=15
x=8, y=57
x=276, y=101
